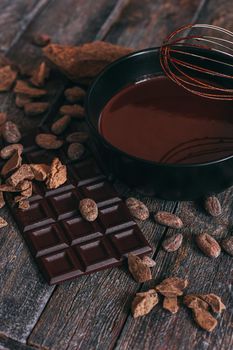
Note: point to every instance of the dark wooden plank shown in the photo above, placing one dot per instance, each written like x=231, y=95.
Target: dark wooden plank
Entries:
x=10, y=344
x=15, y=16
x=24, y=293
x=147, y=23
x=98, y=305
x=165, y=331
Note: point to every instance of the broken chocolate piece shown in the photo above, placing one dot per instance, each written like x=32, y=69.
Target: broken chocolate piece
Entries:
x=85, y=61
x=7, y=78
x=139, y=270
x=57, y=175
x=144, y=302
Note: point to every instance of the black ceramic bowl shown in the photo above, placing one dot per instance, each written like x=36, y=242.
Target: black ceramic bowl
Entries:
x=166, y=181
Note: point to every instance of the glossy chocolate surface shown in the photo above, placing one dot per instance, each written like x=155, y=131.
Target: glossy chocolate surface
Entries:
x=65, y=245
x=157, y=120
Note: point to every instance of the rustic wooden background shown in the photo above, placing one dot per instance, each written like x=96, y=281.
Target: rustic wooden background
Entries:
x=93, y=312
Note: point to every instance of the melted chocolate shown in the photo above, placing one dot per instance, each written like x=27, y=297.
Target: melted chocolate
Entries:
x=159, y=121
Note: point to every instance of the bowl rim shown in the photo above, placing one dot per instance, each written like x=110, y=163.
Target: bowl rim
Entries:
x=119, y=151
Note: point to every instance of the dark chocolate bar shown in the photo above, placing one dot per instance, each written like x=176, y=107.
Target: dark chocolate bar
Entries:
x=63, y=244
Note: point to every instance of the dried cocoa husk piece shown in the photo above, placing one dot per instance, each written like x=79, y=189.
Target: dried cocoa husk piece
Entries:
x=8, y=151
x=193, y=301
x=171, y=304
x=22, y=87
x=40, y=74
x=172, y=287
x=40, y=171
x=204, y=319
x=214, y=302
x=60, y=125
x=86, y=61
x=35, y=108
x=7, y=78
x=148, y=261
x=8, y=188
x=74, y=111
x=144, y=302
x=12, y=164
x=22, y=100
x=23, y=173
x=139, y=270
x=75, y=94
x=28, y=191
x=57, y=175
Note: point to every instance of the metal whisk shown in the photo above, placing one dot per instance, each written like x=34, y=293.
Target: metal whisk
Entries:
x=202, y=63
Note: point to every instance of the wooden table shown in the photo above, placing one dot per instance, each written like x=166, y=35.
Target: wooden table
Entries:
x=93, y=312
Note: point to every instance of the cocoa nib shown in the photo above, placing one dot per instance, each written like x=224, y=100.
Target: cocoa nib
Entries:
x=79, y=136
x=137, y=209
x=7, y=78
x=88, y=209
x=22, y=87
x=173, y=243
x=213, y=206
x=35, y=108
x=75, y=94
x=75, y=151
x=23, y=203
x=40, y=74
x=227, y=245
x=57, y=175
x=74, y=111
x=2, y=200
x=83, y=63
x=144, y=302
x=3, y=222
x=8, y=151
x=171, y=304
x=172, y=287
x=139, y=270
x=208, y=245
x=168, y=219
x=48, y=141
x=10, y=132
x=60, y=125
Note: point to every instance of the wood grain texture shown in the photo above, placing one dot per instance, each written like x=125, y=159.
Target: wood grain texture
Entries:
x=15, y=16
x=10, y=344
x=170, y=332
x=24, y=293
x=144, y=24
